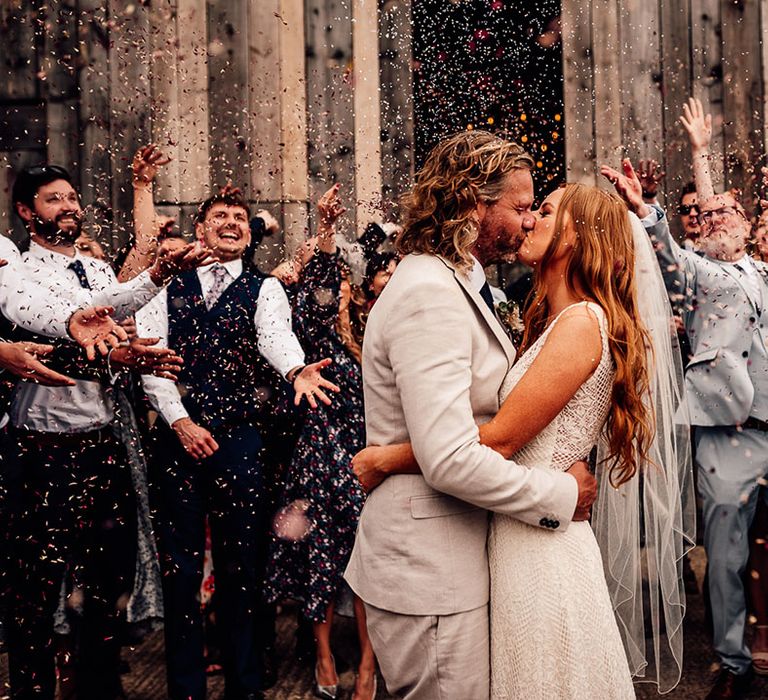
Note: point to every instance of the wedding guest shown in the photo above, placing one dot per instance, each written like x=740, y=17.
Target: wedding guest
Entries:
x=689, y=212
x=321, y=488
x=75, y=469
x=724, y=295
x=207, y=455
x=378, y=271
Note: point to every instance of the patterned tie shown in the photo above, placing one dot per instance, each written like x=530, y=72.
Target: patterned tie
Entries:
x=221, y=279
x=78, y=268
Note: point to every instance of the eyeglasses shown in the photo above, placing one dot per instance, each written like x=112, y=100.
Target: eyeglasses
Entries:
x=686, y=209
x=721, y=213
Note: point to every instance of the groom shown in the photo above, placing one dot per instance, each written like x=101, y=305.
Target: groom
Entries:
x=434, y=359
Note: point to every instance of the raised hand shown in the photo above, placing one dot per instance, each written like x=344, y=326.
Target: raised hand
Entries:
x=94, y=329
x=146, y=163
x=23, y=360
x=650, y=174
x=195, y=439
x=270, y=222
x=310, y=383
x=697, y=124
x=191, y=256
x=141, y=356
x=330, y=207
x=627, y=186
x=763, y=189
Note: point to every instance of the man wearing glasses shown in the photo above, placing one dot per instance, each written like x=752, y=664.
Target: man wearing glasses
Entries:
x=688, y=210
x=724, y=294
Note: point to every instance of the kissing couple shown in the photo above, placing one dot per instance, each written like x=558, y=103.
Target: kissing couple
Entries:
x=531, y=602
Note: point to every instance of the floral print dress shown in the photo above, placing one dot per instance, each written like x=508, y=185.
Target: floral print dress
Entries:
x=320, y=479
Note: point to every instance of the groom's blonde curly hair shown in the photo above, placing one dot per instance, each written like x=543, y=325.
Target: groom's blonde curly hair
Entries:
x=461, y=171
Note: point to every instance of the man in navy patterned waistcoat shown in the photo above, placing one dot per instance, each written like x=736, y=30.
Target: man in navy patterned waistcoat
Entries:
x=224, y=320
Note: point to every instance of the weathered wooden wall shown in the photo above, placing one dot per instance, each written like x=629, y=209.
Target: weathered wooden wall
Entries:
x=280, y=97
x=284, y=97
x=640, y=61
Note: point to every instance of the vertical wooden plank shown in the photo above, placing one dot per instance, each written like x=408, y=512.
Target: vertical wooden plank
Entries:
x=264, y=98
x=19, y=65
x=676, y=56
x=330, y=104
x=94, y=83
x=293, y=122
x=194, y=116
x=742, y=94
x=227, y=98
x=764, y=66
x=640, y=79
x=607, y=87
x=578, y=91
x=164, y=48
x=707, y=83
x=130, y=105
x=59, y=68
x=396, y=75
x=367, y=111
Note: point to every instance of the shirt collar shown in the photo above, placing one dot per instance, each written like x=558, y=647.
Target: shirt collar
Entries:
x=744, y=263
x=233, y=267
x=477, y=274
x=42, y=254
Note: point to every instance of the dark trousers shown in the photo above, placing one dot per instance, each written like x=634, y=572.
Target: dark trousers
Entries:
x=229, y=488
x=72, y=515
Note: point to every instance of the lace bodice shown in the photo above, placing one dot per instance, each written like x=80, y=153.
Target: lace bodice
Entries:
x=576, y=429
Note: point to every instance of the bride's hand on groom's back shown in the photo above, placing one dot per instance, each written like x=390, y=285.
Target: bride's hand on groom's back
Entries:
x=587, y=490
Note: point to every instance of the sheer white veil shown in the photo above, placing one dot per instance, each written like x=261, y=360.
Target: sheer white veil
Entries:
x=645, y=527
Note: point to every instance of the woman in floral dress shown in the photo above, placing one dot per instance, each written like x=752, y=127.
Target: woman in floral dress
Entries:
x=322, y=501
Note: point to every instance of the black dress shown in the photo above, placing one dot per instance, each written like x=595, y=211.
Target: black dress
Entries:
x=320, y=477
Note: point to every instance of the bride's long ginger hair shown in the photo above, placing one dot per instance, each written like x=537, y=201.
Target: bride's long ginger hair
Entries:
x=602, y=266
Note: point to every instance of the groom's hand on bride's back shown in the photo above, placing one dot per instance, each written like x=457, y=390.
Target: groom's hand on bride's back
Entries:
x=587, y=489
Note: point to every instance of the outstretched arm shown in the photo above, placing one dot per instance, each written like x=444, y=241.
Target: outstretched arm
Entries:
x=699, y=128
x=145, y=164
x=548, y=385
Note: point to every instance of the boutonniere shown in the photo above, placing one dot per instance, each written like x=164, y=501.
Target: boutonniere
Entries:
x=508, y=312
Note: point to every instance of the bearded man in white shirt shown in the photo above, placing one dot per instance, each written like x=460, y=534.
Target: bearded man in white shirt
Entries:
x=207, y=458
x=79, y=510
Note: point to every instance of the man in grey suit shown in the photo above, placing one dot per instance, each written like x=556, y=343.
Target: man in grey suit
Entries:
x=723, y=294
x=434, y=358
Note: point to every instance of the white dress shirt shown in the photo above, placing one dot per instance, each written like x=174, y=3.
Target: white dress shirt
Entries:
x=275, y=337
x=42, y=308
x=87, y=405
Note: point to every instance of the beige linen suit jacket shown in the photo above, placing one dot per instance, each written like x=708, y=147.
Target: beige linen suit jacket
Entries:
x=434, y=358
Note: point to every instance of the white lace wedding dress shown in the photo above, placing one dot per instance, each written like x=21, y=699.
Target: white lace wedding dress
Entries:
x=553, y=632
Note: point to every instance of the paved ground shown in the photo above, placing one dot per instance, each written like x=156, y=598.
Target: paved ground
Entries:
x=146, y=680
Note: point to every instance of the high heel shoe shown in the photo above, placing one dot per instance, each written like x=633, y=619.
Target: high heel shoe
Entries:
x=327, y=692
x=375, y=687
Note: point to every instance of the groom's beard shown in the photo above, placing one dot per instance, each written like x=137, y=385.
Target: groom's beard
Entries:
x=52, y=232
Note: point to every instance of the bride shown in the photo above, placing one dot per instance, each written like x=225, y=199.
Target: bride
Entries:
x=597, y=368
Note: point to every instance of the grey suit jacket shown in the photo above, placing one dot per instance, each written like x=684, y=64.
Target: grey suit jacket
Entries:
x=720, y=320
x=434, y=358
